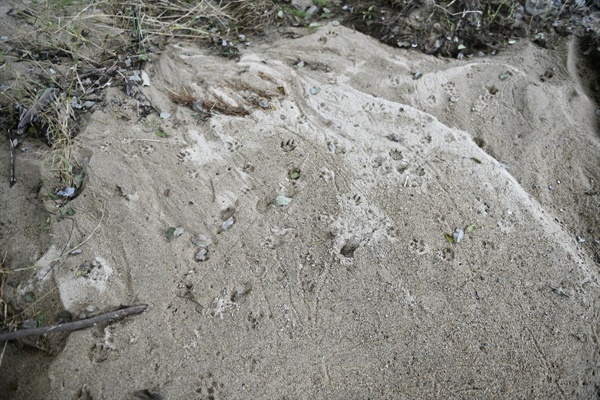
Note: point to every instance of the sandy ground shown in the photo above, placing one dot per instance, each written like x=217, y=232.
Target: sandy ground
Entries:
x=350, y=290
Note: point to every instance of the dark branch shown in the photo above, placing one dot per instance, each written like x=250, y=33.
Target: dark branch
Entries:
x=73, y=326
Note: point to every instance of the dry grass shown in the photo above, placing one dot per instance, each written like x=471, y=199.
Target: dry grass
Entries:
x=253, y=15
x=182, y=97
x=224, y=108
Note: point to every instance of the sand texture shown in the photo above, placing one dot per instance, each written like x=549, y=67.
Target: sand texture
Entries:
x=345, y=286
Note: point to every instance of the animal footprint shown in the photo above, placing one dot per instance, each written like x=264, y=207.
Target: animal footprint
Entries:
x=248, y=168
x=418, y=246
x=288, y=145
x=396, y=155
x=209, y=387
x=105, y=146
x=446, y=254
x=254, y=319
x=147, y=148
x=326, y=175
x=233, y=146
x=184, y=155
x=192, y=174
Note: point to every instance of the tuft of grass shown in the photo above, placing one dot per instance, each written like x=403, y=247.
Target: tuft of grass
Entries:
x=182, y=97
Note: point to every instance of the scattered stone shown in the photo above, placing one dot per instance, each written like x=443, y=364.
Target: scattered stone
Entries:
x=228, y=223
x=201, y=255
x=91, y=308
x=29, y=324
x=178, y=231
x=458, y=235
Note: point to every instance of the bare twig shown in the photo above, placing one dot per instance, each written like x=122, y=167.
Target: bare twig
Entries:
x=73, y=326
x=13, y=178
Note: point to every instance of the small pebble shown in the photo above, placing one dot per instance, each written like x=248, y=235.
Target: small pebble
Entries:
x=91, y=308
x=75, y=252
x=580, y=239
x=165, y=115
x=315, y=90
x=458, y=235
x=29, y=324
x=82, y=315
x=228, y=223
x=178, y=231
x=202, y=255
x=264, y=104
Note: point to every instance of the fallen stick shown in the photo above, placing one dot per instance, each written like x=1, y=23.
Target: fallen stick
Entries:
x=13, y=178
x=73, y=326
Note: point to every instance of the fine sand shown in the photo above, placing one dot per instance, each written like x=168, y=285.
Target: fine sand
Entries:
x=346, y=287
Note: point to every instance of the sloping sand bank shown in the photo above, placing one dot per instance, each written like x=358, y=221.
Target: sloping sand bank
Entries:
x=346, y=286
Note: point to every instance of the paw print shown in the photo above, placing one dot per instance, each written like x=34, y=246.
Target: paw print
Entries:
x=192, y=174
x=209, y=387
x=147, y=148
x=326, y=175
x=104, y=147
x=234, y=145
x=418, y=246
x=184, y=155
x=446, y=254
x=288, y=145
x=248, y=168
x=396, y=155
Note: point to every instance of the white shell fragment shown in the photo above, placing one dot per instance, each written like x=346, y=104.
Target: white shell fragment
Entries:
x=201, y=240
x=282, y=200
x=145, y=79
x=458, y=235
x=228, y=223
x=91, y=308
